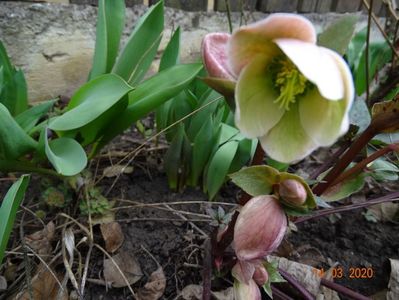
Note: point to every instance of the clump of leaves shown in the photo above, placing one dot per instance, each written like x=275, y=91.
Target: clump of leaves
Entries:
x=95, y=204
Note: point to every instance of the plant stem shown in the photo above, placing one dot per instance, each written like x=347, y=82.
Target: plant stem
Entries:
x=17, y=166
x=367, y=50
x=295, y=283
x=361, y=165
x=325, y=212
x=343, y=290
x=207, y=272
x=228, y=10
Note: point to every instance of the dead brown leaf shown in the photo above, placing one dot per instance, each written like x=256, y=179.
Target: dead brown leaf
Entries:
x=385, y=211
x=192, y=292
x=393, y=284
x=3, y=283
x=155, y=286
x=40, y=241
x=128, y=264
x=43, y=286
x=112, y=235
x=115, y=170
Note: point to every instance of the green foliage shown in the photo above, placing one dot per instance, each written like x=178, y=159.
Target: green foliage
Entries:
x=13, y=89
x=339, y=34
x=96, y=203
x=8, y=210
x=205, y=147
x=379, y=55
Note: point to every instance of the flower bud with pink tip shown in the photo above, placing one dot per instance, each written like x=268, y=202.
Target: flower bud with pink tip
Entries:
x=260, y=228
x=292, y=192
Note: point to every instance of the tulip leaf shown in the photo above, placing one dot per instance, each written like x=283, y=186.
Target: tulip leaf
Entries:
x=141, y=48
x=344, y=189
x=90, y=101
x=256, y=180
x=338, y=35
x=149, y=95
x=202, y=149
x=66, y=155
x=8, y=210
x=14, y=141
x=219, y=167
x=29, y=118
x=169, y=59
x=379, y=54
x=110, y=23
x=13, y=89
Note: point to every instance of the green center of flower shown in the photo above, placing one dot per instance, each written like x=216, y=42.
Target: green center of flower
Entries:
x=288, y=80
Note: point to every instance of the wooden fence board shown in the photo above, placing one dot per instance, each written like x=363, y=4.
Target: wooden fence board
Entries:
x=279, y=5
x=323, y=6
x=344, y=6
x=306, y=6
x=235, y=5
x=189, y=5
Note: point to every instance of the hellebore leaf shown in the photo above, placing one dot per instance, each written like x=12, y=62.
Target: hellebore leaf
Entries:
x=66, y=155
x=338, y=35
x=110, y=23
x=256, y=180
x=150, y=94
x=142, y=46
x=8, y=210
x=344, y=189
x=359, y=115
x=29, y=118
x=14, y=141
x=90, y=101
x=219, y=167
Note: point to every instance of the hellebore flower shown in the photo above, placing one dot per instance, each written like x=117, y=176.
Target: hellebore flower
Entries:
x=259, y=229
x=290, y=93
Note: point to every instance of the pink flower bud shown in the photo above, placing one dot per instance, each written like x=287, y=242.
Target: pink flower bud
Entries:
x=260, y=275
x=260, y=228
x=292, y=192
x=243, y=291
x=214, y=53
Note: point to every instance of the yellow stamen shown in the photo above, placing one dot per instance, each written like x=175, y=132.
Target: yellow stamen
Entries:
x=289, y=81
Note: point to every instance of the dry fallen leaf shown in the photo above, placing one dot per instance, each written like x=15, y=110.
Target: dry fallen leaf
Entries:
x=40, y=241
x=112, y=235
x=385, y=211
x=155, y=286
x=3, y=284
x=227, y=294
x=393, y=284
x=43, y=286
x=128, y=264
x=115, y=170
x=194, y=292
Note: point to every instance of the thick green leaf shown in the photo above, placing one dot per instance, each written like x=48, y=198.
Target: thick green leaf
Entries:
x=29, y=118
x=344, y=189
x=202, y=149
x=338, y=35
x=169, y=59
x=355, y=48
x=149, y=95
x=219, y=167
x=170, y=56
x=8, y=210
x=256, y=180
x=359, y=115
x=14, y=142
x=141, y=48
x=66, y=155
x=13, y=91
x=380, y=54
x=110, y=23
x=90, y=101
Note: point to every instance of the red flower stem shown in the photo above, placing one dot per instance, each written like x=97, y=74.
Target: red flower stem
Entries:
x=325, y=166
x=296, y=284
x=387, y=120
x=363, y=164
x=343, y=290
x=325, y=212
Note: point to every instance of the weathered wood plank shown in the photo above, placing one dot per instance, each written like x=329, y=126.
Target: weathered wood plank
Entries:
x=323, y=6
x=306, y=6
x=189, y=5
x=344, y=6
x=235, y=5
x=279, y=5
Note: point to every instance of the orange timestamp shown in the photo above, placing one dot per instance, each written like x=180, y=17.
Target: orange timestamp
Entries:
x=351, y=273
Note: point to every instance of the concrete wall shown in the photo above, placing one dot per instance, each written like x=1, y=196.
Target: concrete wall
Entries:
x=54, y=43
